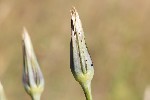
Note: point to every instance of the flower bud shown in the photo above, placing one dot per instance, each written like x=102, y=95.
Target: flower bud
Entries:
x=80, y=60
x=32, y=76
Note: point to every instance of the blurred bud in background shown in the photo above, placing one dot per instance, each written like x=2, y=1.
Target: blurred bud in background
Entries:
x=147, y=93
x=2, y=94
x=32, y=76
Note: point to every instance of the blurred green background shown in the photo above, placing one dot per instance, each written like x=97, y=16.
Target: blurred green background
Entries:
x=117, y=33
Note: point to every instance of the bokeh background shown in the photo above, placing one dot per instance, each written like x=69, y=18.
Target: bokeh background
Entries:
x=117, y=34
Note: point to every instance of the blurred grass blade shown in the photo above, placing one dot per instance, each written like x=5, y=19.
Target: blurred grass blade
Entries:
x=2, y=94
x=80, y=60
x=32, y=76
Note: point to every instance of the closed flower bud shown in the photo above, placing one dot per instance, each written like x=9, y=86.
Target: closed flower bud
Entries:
x=80, y=60
x=32, y=76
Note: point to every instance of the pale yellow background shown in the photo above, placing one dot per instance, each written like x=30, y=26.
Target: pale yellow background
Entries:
x=117, y=34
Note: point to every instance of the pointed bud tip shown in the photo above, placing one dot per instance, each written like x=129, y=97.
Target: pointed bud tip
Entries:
x=73, y=11
x=24, y=33
x=27, y=41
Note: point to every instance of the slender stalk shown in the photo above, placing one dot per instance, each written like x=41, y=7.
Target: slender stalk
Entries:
x=87, y=90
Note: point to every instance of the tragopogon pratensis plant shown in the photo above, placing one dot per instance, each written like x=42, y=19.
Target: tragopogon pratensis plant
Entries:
x=2, y=94
x=32, y=76
x=80, y=60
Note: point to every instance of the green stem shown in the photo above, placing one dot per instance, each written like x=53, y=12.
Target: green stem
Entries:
x=87, y=91
x=36, y=97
